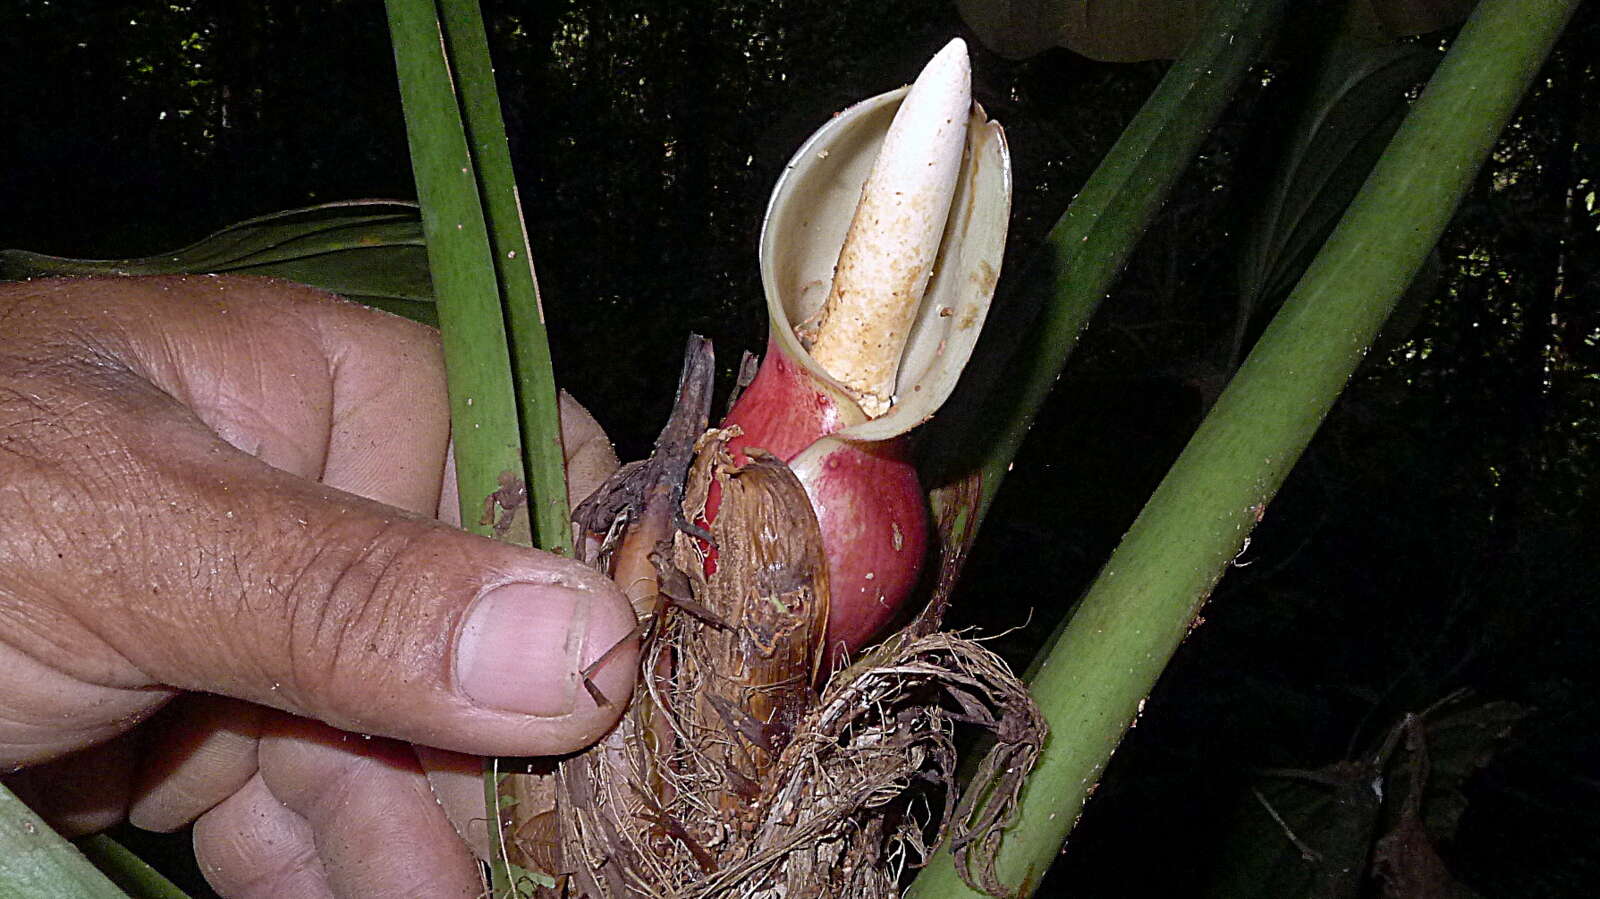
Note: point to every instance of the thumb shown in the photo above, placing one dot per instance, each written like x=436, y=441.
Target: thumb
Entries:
x=144, y=551
x=252, y=582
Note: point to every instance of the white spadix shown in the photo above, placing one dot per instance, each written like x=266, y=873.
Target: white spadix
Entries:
x=888, y=254
x=915, y=185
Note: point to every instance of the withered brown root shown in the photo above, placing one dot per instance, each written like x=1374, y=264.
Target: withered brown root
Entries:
x=730, y=777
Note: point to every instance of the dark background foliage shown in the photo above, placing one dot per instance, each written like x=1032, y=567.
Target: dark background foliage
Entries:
x=1439, y=534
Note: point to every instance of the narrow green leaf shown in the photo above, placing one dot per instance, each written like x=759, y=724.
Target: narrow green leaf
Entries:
x=37, y=863
x=483, y=411
x=468, y=48
x=502, y=389
x=370, y=251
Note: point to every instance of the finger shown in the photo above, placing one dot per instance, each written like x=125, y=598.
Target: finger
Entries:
x=307, y=383
x=457, y=782
x=205, y=751
x=379, y=829
x=174, y=558
x=346, y=381
x=589, y=455
x=252, y=846
x=82, y=793
x=36, y=723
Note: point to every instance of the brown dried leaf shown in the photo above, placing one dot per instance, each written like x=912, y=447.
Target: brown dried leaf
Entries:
x=769, y=583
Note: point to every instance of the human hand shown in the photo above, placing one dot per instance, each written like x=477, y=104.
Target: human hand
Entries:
x=216, y=501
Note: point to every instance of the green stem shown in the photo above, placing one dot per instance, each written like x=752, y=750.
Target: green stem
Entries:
x=483, y=411
x=1088, y=246
x=484, y=285
x=468, y=48
x=127, y=870
x=1082, y=256
x=1096, y=675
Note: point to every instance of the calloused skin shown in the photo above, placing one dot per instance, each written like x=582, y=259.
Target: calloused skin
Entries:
x=225, y=597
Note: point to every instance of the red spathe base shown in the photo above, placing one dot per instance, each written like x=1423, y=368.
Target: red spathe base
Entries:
x=785, y=409
x=867, y=498
x=875, y=531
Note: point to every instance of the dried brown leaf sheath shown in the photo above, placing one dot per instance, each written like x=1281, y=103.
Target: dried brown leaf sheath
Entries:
x=770, y=587
x=729, y=673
